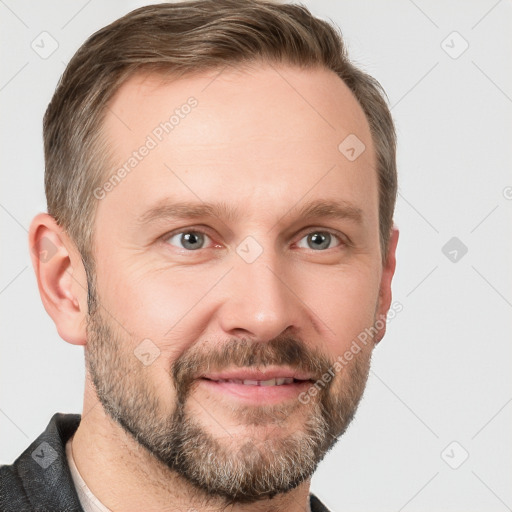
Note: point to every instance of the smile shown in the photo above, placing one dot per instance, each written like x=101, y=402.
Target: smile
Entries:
x=269, y=382
x=257, y=387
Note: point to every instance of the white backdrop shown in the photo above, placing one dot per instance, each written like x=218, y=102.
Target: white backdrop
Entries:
x=433, y=429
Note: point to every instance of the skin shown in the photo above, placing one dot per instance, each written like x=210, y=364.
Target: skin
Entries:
x=265, y=140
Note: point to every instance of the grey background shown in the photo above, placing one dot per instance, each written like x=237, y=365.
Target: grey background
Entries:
x=442, y=373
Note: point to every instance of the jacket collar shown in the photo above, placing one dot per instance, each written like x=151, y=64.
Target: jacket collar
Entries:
x=43, y=467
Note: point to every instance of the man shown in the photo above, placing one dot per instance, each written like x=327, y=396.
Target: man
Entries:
x=218, y=376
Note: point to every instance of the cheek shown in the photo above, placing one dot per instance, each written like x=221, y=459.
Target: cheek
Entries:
x=173, y=306
x=155, y=302
x=344, y=303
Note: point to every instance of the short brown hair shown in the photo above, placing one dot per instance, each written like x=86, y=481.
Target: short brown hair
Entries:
x=181, y=38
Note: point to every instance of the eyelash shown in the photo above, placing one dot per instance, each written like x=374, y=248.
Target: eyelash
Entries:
x=342, y=241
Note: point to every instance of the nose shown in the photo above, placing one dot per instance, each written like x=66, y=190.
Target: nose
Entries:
x=260, y=301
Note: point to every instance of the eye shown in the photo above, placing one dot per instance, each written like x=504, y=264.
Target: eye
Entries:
x=318, y=240
x=189, y=240
x=193, y=240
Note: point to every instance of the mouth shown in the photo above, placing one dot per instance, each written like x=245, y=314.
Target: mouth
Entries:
x=279, y=381
x=271, y=386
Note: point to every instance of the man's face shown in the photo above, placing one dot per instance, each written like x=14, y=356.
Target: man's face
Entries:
x=266, y=292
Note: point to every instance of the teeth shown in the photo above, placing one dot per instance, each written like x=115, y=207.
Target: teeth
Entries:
x=270, y=382
x=252, y=382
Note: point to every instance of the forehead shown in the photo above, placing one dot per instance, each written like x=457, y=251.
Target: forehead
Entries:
x=310, y=103
x=256, y=136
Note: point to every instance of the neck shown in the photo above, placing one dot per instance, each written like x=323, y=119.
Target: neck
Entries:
x=124, y=476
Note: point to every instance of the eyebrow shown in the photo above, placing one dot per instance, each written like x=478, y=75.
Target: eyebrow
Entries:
x=166, y=209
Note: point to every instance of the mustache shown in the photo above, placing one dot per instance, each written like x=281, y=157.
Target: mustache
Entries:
x=246, y=353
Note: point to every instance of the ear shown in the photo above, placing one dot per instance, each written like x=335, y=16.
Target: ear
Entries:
x=61, y=277
x=385, y=294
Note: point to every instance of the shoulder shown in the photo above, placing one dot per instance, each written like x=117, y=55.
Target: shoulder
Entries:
x=13, y=496
x=39, y=480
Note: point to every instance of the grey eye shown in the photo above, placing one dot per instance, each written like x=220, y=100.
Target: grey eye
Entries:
x=190, y=240
x=318, y=240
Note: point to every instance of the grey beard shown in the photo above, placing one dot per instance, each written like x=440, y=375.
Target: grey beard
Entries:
x=239, y=470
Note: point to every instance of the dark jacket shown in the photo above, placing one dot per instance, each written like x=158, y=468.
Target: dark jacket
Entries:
x=40, y=480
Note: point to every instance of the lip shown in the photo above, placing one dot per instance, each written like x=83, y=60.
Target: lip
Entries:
x=256, y=394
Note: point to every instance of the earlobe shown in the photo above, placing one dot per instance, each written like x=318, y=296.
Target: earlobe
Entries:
x=385, y=294
x=60, y=277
